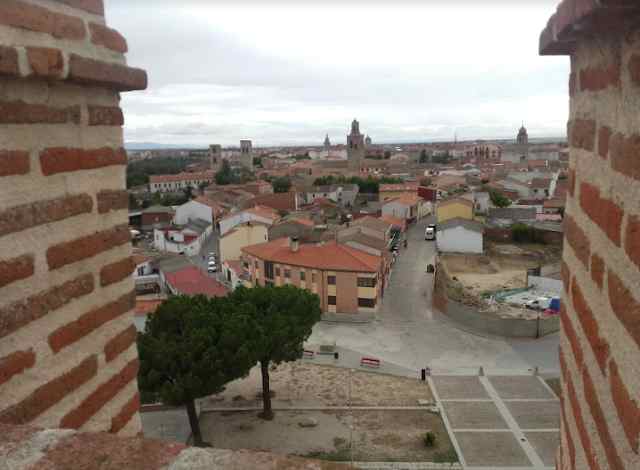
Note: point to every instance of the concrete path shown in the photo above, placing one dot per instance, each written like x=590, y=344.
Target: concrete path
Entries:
x=499, y=422
x=407, y=332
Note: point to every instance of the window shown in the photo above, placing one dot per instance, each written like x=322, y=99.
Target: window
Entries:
x=302, y=275
x=366, y=282
x=140, y=271
x=269, y=283
x=287, y=273
x=313, y=277
x=331, y=280
x=256, y=264
x=369, y=303
x=277, y=271
x=331, y=300
x=268, y=269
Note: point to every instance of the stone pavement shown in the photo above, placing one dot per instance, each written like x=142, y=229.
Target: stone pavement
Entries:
x=500, y=422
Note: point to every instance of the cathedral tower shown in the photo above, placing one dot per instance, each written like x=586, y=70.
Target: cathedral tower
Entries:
x=246, y=154
x=355, y=147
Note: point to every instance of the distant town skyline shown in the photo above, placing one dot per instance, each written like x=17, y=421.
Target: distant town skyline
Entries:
x=283, y=74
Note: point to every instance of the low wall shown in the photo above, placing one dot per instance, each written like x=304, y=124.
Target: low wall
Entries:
x=545, y=283
x=470, y=319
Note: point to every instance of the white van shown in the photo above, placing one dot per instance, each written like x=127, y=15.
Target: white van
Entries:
x=430, y=233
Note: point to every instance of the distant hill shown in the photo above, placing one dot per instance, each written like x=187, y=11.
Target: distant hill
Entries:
x=155, y=146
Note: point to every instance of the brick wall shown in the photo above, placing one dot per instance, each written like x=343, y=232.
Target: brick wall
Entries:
x=67, y=352
x=600, y=341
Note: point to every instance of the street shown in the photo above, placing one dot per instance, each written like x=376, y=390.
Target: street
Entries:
x=408, y=333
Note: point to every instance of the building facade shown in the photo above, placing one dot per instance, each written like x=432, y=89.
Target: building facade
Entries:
x=215, y=157
x=347, y=280
x=179, y=182
x=242, y=235
x=246, y=154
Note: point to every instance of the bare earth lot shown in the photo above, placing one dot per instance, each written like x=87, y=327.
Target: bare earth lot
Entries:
x=306, y=384
x=379, y=435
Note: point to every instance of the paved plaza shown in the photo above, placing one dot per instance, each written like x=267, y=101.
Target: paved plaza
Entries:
x=500, y=421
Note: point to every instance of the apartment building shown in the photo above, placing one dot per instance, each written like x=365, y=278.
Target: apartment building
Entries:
x=170, y=183
x=347, y=280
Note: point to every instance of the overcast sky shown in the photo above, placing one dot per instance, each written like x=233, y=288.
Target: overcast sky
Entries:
x=281, y=73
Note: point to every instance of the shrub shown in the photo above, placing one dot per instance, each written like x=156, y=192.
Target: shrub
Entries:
x=429, y=439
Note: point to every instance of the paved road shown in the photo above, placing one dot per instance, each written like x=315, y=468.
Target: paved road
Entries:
x=408, y=333
x=211, y=245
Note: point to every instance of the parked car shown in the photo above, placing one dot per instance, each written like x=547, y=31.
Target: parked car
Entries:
x=429, y=233
x=541, y=303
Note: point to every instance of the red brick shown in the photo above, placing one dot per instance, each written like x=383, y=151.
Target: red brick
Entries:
x=572, y=181
x=120, y=343
x=632, y=239
x=102, y=35
x=111, y=200
x=16, y=219
x=603, y=212
x=15, y=269
x=572, y=337
x=127, y=412
x=624, y=305
x=19, y=112
x=62, y=159
x=45, y=62
x=17, y=315
x=565, y=274
x=47, y=395
x=600, y=78
x=624, y=153
x=583, y=134
x=591, y=397
x=9, y=62
x=590, y=327
x=585, y=439
x=89, y=322
x=117, y=271
x=568, y=438
x=604, y=136
x=92, y=6
x=40, y=20
x=100, y=397
x=87, y=246
x=105, y=116
x=597, y=270
x=577, y=239
x=16, y=363
x=95, y=72
x=14, y=163
x=634, y=68
x=627, y=408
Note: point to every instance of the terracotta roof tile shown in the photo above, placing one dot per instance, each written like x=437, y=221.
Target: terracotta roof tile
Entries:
x=329, y=256
x=192, y=281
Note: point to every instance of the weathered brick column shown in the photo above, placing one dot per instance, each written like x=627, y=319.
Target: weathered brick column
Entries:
x=600, y=343
x=67, y=352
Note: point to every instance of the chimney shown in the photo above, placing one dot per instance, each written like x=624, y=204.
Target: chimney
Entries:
x=294, y=244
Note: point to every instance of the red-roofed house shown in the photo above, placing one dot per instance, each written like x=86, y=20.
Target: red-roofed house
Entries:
x=391, y=191
x=346, y=279
x=192, y=281
x=409, y=207
x=261, y=214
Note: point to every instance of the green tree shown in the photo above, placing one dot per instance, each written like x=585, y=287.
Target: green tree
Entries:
x=387, y=154
x=424, y=158
x=192, y=347
x=498, y=199
x=281, y=184
x=283, y=319
x=224, y=175
x=133, y=202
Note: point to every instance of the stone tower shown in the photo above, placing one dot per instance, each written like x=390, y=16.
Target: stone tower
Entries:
x=327, y=143
x=355, y=147
x=523, y=143
x=246, y=154
x=215, y=157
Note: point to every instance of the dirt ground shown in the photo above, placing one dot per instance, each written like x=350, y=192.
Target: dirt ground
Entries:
x=378, y=435
x=503, y=266
x=306, y=384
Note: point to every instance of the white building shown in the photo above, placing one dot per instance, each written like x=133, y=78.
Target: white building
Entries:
x=262, y=214
x=460, y=236
x=187, y=240
x=192, y=210
x=172, y=183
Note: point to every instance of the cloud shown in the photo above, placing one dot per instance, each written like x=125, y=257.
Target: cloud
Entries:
x=282, y=73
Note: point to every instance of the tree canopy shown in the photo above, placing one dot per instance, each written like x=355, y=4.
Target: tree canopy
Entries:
x=138, y=172
x=227, y=175
x=192, y=347
x=369, y=185
x=281, y=184
x=283, y=318
x=498, y=199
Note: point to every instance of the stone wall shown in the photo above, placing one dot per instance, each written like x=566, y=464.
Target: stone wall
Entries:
x=600, y=341
x=67, y=343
